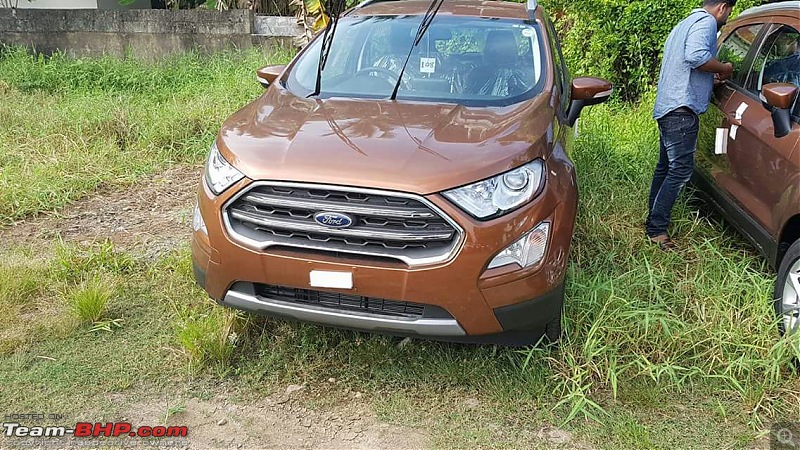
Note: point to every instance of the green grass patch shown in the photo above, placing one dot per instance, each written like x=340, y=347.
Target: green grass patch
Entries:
x=73, y=125
x=88, y=301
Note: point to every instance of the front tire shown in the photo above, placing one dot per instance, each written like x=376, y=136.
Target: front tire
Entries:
x=787, y=291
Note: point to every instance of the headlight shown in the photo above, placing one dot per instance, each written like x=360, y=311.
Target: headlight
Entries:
x=498, y=195
x=220, y=175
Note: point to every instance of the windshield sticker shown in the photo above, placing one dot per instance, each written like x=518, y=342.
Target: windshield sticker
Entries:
x=427, y=65
x=527, y=32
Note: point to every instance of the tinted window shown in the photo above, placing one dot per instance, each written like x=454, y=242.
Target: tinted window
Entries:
x=778, y=60
x=473, y=61
x=735, y=48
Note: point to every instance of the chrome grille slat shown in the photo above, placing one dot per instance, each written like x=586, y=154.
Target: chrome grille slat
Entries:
x=393, y=225
x=324, y=205
x=364, y=232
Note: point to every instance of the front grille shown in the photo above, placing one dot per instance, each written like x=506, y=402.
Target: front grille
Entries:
x=384, y=225
x=346, y=302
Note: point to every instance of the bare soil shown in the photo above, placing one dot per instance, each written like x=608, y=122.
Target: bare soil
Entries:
x=148, y=218
x=280, y=422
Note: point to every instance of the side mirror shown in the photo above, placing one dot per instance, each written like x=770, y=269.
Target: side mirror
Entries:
x=780, y=98
x=587, y=91
x=268, y=75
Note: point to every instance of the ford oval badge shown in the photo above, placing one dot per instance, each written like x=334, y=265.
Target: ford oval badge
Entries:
x=333, y=219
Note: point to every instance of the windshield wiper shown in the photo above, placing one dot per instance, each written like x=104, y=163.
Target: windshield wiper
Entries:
x=423, y=27
x=334, y=8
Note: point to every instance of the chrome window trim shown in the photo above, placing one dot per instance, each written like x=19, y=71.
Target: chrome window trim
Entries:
x=262, y=245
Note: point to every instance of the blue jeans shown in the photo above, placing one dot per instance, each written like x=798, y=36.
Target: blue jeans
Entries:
x=678, y=130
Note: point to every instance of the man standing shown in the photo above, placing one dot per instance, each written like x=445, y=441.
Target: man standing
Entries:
x=684, y=91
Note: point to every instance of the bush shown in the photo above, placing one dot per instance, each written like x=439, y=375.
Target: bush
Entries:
x=620, y=40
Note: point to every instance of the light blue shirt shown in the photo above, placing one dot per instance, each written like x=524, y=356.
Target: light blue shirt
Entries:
x=692, y=43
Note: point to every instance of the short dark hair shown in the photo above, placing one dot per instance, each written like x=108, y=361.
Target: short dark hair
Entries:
x=730, y=3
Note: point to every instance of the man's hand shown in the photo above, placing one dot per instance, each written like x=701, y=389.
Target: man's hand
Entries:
x=726, y=72
x=723, y=70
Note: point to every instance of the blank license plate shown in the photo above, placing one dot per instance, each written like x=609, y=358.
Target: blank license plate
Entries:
x=328, y=279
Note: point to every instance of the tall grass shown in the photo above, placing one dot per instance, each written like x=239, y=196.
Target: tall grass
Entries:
x=699, y=316
x=92, y=122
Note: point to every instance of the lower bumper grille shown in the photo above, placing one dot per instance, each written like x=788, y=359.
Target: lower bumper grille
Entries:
x=347, y=302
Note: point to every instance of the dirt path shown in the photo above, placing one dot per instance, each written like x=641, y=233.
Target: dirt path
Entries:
x=148, y=218
x=281, y=422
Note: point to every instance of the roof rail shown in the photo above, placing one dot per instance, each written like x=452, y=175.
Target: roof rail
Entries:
x=793, y=4
x=531, y=7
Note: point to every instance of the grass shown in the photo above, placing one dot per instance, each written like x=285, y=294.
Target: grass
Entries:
x=88, y=301
x=659, y=350
x=99, y=122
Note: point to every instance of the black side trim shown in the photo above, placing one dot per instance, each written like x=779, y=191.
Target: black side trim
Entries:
x=199, y=275
x=738, y=217
x=531, y=315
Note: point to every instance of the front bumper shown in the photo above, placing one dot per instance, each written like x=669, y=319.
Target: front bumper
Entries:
x=470, y=303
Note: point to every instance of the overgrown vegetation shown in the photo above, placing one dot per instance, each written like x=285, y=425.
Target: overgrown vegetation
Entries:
x=71, y=126
x=621, y=40
x=646, y=333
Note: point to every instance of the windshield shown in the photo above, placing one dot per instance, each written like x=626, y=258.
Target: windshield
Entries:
x=465, y=60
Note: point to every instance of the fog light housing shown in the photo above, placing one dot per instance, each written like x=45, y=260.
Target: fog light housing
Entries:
x=525, y=251
x=198, y=224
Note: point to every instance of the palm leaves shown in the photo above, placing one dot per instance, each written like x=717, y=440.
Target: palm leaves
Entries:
x=311, y=16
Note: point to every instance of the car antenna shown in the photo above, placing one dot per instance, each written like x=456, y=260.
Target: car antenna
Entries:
x=423, y=27
x=333, y=8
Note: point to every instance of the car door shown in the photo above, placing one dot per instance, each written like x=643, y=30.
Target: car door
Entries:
x=759, y=165
x=736, y=47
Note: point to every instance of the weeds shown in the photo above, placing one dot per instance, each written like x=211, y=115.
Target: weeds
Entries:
x=88, y=301
x=88, y=123
x=209, y=337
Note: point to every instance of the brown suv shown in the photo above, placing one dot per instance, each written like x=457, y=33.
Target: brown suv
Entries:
x=416, y=183
x=751, y=171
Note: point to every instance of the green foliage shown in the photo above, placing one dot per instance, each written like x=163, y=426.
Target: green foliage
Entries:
x=621, y=40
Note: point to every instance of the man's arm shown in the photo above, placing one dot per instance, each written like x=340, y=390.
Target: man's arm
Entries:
x=698, y=51
x=716, y=66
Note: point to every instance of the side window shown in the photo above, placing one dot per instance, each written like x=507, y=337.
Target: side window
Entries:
x=735, y=48
x=562, y=75
x=778, y=61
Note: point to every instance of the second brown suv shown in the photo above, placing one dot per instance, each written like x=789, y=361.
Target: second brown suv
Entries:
x=406, y=173
x=751, y=171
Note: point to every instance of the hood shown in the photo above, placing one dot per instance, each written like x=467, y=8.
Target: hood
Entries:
x=396, y=145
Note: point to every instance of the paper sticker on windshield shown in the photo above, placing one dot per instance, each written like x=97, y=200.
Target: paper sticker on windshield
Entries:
x=427, y=65
x=527, y=32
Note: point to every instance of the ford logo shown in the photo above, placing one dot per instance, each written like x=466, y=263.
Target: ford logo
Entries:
x=332, y=219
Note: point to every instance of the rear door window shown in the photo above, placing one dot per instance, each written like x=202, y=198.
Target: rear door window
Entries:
x=735, y=49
